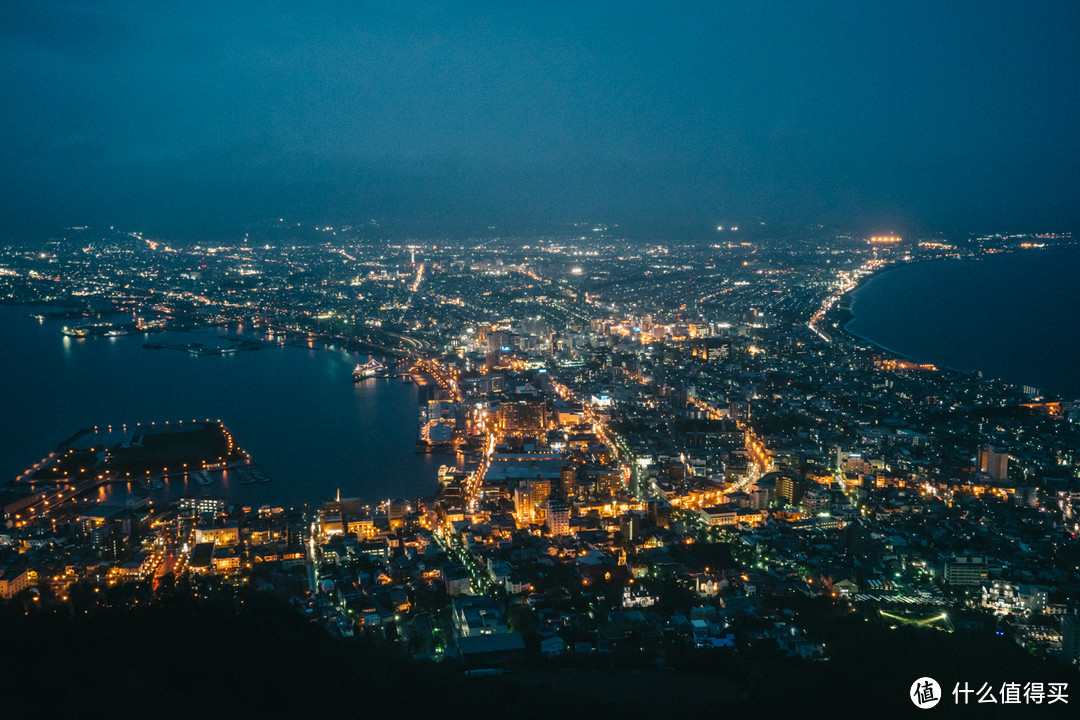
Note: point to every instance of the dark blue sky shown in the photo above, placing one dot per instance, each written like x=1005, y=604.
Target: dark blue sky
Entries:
x=197, y=117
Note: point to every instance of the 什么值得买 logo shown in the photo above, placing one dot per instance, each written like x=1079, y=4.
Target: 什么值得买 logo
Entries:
x=925, y=693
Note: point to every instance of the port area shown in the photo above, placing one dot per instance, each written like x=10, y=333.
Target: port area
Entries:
x=145, y=453
x=373, y=369
x=112, y=329
x=239, y=344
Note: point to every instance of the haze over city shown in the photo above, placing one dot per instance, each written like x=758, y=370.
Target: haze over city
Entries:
x=445, y=118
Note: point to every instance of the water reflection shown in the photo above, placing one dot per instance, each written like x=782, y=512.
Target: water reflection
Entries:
x=295, y=409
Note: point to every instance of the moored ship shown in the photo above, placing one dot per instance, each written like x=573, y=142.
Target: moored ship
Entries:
x=372, y=368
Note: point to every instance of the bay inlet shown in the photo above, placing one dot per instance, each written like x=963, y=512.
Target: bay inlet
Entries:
x=307, y=426
x=1013, y=316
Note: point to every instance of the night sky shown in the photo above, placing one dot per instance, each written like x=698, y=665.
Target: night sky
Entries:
x=197, y=118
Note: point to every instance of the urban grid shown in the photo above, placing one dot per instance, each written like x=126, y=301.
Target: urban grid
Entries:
x=653, y=455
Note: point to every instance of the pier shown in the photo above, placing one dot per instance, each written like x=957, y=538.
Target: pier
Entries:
x=125, y=454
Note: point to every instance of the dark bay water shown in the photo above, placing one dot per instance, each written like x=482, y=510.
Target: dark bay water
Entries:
x=296, y=410
x=1015, y=316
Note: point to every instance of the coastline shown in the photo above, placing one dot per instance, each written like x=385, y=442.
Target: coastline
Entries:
x=848, y=304
x=328, y=416
x=981, y=257
x=896, y=353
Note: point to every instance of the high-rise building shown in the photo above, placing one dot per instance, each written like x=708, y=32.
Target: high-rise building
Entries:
x=739, y=410
x=790, y=489
x=558, y=517
x=966, y=570
x=568, y=478
x=523, y=417
x=994, y=463
x=395, y=511
x=524, y=504
x=497, y=340
x=541, y=490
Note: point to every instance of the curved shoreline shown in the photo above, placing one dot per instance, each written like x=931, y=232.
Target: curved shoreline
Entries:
x=1047, y=389
x=905, y=356
x=278, y=417
x=976, y=258
x=881, y=272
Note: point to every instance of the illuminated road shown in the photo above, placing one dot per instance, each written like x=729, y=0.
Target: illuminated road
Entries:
x=446, y=380
x=56, y=498
x=761, y=461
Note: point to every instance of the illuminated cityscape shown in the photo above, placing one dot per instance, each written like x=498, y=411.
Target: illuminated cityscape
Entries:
x=647, y=452
x=539, y=360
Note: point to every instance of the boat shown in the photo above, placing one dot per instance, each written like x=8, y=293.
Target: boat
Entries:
x=203, y=478
x=372, y=368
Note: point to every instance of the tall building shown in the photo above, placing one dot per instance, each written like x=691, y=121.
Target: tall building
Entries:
x=524, y=504
x=630, y=526
x=739, y=410
x=790, y=489
x=558, y=517
x=607, y=480
x=966, y=570
x=994, y=463
x=395, y=512
x=541, y=490
x=523, y=417
x=568, y=478
x=497, y=340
